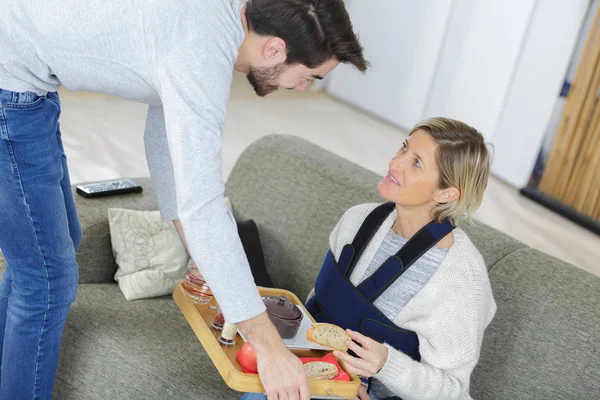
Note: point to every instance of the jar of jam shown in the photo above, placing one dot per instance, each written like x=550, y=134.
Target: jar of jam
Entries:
x=219, y=319
x=196, y=286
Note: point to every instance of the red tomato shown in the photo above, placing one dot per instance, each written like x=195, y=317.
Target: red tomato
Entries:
x=247, y=358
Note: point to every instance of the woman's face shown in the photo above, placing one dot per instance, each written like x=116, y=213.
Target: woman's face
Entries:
x=413, y=175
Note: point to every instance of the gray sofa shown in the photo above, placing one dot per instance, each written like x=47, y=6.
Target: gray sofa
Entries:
x=544, y=342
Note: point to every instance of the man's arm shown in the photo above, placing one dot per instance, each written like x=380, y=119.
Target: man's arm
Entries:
x=159, y=163
x=266, y=342
x=194, y=86
x=259, y=331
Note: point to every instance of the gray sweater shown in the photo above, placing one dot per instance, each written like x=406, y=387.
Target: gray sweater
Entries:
x=178, y=57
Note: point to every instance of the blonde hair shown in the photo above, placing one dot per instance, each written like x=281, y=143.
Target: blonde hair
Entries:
x=464, y=163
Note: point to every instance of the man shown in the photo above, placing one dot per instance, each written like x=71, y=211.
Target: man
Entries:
x=178, y=57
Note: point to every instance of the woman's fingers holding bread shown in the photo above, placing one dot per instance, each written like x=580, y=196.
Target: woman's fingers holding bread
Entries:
x=355, y=365
x=364, y=341
x=345, y=357
x=351, y=362
x=376, y=353
x=358, y=370
x=362, y=352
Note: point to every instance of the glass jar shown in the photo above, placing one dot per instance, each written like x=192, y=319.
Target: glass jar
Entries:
x=228, y=334
x=219, y=319
x=196, y=286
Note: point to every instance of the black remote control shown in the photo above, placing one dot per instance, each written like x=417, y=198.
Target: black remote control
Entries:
x=109, y=188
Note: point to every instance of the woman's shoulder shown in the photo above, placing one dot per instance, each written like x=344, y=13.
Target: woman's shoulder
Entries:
x=459, y=297
x=468, y=269
x=464, y=248
x=463, y=273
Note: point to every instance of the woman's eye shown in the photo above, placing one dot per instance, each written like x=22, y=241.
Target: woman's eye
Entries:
x=417, y=163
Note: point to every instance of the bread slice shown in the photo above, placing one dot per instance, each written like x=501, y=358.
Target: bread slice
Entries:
x=320, y=370
x=328, y=335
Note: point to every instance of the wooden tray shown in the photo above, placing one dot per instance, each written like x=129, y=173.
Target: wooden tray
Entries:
x=224, y=358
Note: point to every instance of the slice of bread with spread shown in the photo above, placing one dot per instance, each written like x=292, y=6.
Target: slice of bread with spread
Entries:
x=328, y=335
x=320, y=370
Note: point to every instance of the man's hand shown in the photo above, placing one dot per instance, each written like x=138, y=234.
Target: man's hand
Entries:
x=362, y=394
x=281, y=372
x=283, y=375
x=372, y=355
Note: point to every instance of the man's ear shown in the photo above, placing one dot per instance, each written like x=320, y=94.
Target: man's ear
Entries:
x=275, y=49
x=444, y=196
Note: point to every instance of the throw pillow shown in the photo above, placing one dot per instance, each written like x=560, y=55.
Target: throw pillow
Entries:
x=149, y=254
x=151, y=257
x=248, y=232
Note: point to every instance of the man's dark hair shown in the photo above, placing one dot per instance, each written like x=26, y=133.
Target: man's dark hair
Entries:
x=314, y=31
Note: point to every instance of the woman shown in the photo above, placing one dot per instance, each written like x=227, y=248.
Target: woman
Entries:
x=428, y=299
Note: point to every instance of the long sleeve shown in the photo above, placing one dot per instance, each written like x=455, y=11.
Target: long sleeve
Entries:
x=159, y=163
x=449, y=315
x=414, y=380
x=194, y=87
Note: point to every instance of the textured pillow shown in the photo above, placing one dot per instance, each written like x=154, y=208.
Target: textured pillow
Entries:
x=149, y=253
x=151, y=257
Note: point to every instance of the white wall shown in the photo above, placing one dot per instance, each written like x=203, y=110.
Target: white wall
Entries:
x=537, y=81
x=496, y=65
x=477, y=62
x=402, y=40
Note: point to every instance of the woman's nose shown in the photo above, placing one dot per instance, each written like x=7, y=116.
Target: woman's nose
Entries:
x=396, y=163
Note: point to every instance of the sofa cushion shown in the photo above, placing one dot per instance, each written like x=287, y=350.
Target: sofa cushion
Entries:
x=543, y=341
x=144, y=349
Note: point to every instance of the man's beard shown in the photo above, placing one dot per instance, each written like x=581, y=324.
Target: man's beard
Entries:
x=263, y=79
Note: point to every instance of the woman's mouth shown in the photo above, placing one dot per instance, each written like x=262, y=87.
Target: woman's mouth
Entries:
x=391, y=179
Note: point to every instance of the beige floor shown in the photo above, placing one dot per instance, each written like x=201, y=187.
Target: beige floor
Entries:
x=103, y=140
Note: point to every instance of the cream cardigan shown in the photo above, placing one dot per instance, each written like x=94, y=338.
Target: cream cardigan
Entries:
x=449, y=315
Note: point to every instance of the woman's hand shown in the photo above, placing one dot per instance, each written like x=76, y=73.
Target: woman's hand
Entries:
x=372, y=355
x=362, y=394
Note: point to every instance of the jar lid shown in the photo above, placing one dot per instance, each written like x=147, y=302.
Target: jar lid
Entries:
x=281, y=307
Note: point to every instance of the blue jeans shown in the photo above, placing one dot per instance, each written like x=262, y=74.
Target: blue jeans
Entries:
x=254, y=396
x=39, y=234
